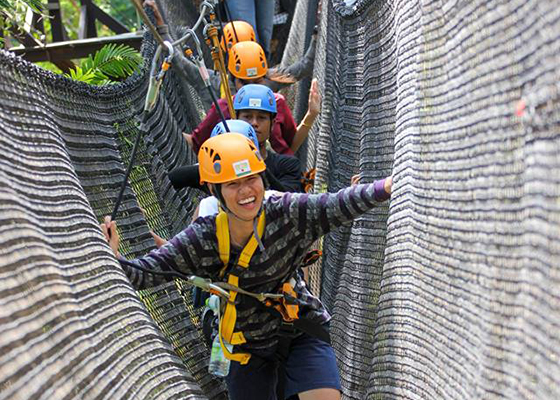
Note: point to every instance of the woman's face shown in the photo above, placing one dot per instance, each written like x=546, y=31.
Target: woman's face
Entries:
x=244, y=196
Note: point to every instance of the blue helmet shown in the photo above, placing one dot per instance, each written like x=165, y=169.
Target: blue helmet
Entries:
x=237, y=126
x=255, y=97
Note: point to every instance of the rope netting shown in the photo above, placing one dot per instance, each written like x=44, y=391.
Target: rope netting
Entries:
x=456, y=297
x=71, y=325
x=449, y=293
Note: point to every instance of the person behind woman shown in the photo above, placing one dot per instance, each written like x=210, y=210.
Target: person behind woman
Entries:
x=256, y=104
x=258, y=13
x=248, y=66
x=276, y=77
x=283, y=173
x=257, y=245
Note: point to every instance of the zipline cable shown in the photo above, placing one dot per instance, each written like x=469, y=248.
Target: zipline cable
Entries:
x=207, y=285
x=151, y=99
x=193, y=280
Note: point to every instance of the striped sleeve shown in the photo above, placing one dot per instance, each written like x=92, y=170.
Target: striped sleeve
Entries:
x=179, y=254
x=316, y=215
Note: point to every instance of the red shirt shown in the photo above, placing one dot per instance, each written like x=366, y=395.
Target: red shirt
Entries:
x=281, y=137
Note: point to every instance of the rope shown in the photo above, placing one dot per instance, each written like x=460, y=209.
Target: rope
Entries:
x=129, y=168
x=228, y=16
x=211, y=33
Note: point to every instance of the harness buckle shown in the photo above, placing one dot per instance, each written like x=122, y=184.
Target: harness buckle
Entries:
x=286, y=329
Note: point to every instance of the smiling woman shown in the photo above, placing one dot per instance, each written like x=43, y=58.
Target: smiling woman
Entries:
x=278, y=329
x=243, y=198
x=231, y=164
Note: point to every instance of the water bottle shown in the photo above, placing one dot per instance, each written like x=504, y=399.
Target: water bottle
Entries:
x=219, y=364
x=213, y=303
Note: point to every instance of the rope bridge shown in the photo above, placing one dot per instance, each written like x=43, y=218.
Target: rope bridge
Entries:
x=450, y=292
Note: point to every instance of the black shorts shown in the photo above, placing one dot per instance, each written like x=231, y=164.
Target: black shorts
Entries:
x=311, y=365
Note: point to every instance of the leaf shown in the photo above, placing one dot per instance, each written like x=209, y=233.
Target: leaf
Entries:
x=78, y=74
x=36, y=5
x=117, y=61
x=109, y=64
x=5, y=5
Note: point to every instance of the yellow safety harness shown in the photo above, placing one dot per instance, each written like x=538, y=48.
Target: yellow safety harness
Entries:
x=227, y=322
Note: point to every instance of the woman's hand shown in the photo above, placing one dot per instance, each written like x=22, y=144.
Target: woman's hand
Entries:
x=109, y=229
x=388, y=185
x=315, y=99
x=158, y=239
x=188, y=138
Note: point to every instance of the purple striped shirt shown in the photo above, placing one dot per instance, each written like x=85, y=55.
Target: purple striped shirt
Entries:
x=294, y=221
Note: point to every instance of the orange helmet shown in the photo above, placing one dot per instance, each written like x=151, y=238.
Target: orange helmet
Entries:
x=247, y=60
x=228, y=157
x=243, y=33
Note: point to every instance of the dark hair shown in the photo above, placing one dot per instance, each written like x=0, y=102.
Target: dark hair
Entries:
x=272, y=115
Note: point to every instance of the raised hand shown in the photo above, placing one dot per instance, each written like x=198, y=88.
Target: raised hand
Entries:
x=388, y=186
x=315, y=99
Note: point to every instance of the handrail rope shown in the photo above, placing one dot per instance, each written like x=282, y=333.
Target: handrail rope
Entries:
x=151, y=98
x=218, y=287
x=222, y=57
x=228, y=19
x=206, y=6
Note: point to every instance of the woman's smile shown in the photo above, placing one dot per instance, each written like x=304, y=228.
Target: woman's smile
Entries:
x=244, y=196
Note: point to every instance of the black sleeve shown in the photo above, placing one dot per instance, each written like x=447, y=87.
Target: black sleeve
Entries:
x=187, y=176
x=284, y=173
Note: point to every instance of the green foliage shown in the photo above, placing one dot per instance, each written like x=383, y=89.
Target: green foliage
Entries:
x=112, y=63
x=49, y=66
x=13, y=12
x=123, y=10
x=15, y=5
x=12, y=16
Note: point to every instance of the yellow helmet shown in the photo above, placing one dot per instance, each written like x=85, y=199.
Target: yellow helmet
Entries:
x=243, y=32
x=247, y=61
x=228, y=157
